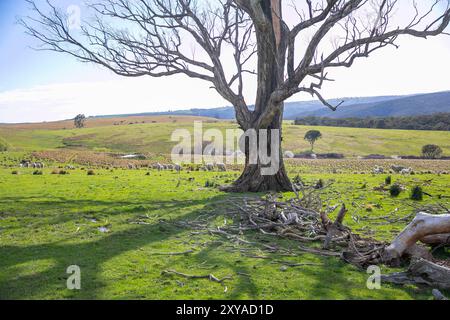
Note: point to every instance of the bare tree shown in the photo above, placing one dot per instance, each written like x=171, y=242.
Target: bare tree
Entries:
x=166, y=37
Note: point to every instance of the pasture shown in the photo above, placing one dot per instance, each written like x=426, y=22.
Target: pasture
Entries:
x=122, y=227
x=153, y=137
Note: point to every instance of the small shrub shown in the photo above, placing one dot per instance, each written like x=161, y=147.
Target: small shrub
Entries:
x=91, y=173
x=15, y=172
x=431, y=151
x=395, y=190
x=388, y=180
x=55, y=171
x=38, y=173
x=63, y=172
x=416, y=193
x=319, y=184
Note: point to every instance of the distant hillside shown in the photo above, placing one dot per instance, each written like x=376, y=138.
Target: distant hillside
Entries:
x=423, y=104
x=437, y=121
x=381, y=106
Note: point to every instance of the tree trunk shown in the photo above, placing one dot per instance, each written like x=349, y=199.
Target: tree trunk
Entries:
x=252, y=179
x=272, y=43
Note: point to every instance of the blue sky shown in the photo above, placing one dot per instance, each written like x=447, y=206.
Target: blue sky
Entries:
x=22, y=67
x=38, y=86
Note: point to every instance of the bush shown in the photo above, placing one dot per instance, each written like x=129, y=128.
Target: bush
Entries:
x=388, y=180
x=319, y=184
x=431, y=151
x=63, y=172
x=395, y=190
x=416, y=193
x=91, y=173
x=38, y=173
x=15, y=172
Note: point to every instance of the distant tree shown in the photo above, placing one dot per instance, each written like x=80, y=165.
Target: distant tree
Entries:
x=431, y=151
x=79, y=121
x=312, y=136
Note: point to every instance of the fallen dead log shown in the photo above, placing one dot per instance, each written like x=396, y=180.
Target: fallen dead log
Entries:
x=423, y=272
x=436, y=239
x=438, y=295
x=422, y=226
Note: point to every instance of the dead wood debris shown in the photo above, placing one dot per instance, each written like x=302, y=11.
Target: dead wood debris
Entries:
x=210, y=276
x=302, y=219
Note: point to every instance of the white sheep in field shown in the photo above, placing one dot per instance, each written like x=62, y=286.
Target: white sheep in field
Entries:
x=378, y=170
x=221, y=167
x=210, y=167
x=159, y=167
x=406, y=171
x=38, y=165
x=170, y=167
x=177, y=167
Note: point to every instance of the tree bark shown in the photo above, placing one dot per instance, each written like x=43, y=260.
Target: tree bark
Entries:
x=252, y=179
x=422, y=226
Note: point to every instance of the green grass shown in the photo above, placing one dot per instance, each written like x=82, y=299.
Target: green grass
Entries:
x=50, y=222
x=155, y=138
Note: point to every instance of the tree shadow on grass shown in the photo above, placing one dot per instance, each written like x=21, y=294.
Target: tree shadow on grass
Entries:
x=89, y=256
x=39, y=270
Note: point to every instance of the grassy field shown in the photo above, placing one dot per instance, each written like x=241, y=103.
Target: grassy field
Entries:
x=154, y=138
x=50, y=222
x=119, y=225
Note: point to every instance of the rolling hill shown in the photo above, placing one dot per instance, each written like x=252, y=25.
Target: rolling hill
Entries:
x=381, y=106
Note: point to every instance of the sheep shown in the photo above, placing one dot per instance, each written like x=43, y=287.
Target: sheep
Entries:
x=289, y=154
x=406, y=171
x=210, y=167
x=378, y=170
x=397, y=169
x=221, y=167
x=131, y=166
x=170, y=167
x=177, y=167
x=158, y=167
x=38, y=165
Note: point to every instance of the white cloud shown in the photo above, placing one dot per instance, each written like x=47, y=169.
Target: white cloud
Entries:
x=62, y=101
